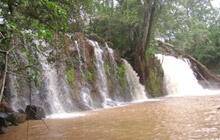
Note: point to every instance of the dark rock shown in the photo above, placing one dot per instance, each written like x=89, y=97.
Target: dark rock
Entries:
x=20, y=118
x=218, y=108
x=11, y=118
x=34, y=112
x=16, y=117
x=21, y=111
x=3, y=123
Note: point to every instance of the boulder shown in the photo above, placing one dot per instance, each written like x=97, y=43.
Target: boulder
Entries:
x=11, y=118
x=16, y=117
x=34, y=112
x=20, y=118
x=3, y=123
x=21, y=111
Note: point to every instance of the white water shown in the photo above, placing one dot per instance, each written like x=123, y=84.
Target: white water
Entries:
x=85, y=91
x=137, y=90
x=65, y=115
x=112, y=59
x=79, y=55
x=51, y=81
x=179, y=78
x=86, y=97
x=102, y=78
x=14, y=94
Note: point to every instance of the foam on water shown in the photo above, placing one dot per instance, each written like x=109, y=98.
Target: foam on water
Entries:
x=65, y=115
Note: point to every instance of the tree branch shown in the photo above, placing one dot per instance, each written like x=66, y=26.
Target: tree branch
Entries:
x=31, y=14
x=1, y=51
x=4, y=76
x=19, y=75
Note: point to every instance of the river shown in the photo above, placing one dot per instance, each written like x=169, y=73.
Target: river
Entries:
x=168, y=118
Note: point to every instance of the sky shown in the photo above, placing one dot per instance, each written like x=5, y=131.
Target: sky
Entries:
x=216, y=3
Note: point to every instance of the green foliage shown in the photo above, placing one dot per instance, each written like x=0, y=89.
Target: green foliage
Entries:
x=193, y=26
x=36, y=80
x=155, y=83
x=70, y=76
x=25, y=21
x=89, y=76
x=149, y=52
x=189, y=26
x=122, y=73
x=107, y=70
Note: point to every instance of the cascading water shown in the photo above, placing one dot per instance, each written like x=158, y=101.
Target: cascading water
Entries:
x=14, y=95
x=58, y=96
x=51, y=81
x=179, y=78
x=137, y=90
x=112, y=59
x=102, y=78
x=85, y=91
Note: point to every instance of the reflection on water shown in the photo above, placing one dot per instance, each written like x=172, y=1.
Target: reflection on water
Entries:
x=176, y=118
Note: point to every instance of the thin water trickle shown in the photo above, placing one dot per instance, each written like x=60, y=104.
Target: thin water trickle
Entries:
x=84, y=91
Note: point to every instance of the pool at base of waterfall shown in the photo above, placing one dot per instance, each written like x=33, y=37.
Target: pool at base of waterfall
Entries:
x=169, y=118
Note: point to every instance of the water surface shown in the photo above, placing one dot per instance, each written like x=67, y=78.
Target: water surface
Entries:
x=173, y=118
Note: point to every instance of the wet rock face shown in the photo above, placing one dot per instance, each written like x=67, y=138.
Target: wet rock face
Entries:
x=154, y=79
x=89, y=50
x=5, y=107
x=15, y=118
x=69, y=46
x=34, y=112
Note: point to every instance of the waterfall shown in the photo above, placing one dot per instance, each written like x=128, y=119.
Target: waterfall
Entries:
x=51, y=84
x=85, y=91
x=112, y=59
x=79, y=55
x=16, y=102
x=179, y=78
x=57, y=96
x=137, y=90
x=102, y=78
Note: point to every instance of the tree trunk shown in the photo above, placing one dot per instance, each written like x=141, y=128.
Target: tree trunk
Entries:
x=140, y=56
x=4, y=76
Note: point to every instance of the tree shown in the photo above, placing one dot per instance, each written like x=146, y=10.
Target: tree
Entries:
x=129, y=25
x=22, y=21
x=189, y=26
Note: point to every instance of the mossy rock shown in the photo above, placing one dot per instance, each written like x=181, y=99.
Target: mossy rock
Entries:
x=154, y=80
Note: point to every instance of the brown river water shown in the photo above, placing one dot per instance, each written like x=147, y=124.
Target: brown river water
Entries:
x=169, y=118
